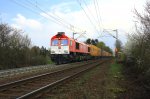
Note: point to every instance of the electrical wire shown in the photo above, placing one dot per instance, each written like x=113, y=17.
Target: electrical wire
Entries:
x=40, y=9
x=78, y=1
x=89, y=10
x=36, y=9
x=97, y=14
x=54, y=18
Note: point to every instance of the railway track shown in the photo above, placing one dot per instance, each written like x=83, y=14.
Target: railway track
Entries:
x=30, y=87
x=9, y=76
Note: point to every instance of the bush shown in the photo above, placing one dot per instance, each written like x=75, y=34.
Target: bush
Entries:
x=139, y=48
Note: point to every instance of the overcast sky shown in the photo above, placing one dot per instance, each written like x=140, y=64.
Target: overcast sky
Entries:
x=35, y=18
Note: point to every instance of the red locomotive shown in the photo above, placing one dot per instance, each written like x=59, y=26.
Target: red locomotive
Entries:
x=65, y=49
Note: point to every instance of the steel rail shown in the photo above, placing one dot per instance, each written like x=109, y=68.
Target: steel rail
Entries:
x=15, y=83
x=25, y=86
x=56, y=83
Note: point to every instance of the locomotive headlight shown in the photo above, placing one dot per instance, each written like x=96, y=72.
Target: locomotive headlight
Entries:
x=52, y=51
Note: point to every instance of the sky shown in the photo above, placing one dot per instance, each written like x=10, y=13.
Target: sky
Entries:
x=95, y=19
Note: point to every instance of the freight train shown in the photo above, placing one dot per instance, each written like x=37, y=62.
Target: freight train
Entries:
x=65, y=49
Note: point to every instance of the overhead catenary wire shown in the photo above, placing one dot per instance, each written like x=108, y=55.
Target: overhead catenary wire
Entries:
x=97, y=13
x=91, y=13
x=37, y=12
x=71, y=27
x=54, y=18
x=78, y=1
x=49, y=15
x=100, y=19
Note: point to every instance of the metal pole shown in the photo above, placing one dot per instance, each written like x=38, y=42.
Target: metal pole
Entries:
x=117, y=34
x=116, y=37
x=74, y=34
x=116, y=44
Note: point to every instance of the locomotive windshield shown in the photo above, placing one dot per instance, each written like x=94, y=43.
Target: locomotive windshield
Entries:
x=54, y=42
x=64, y=42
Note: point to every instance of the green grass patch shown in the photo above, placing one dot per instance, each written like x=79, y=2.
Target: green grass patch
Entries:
x=49, y=61
x=117, y=90
x=114, y=78
x=115, y=70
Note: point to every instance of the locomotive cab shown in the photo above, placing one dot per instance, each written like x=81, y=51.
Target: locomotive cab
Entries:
x=59, y=48
x=60, y=44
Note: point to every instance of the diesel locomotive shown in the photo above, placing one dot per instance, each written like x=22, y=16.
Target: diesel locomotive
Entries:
x=65, y=49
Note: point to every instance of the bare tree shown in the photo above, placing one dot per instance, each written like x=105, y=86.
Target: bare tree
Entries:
x=139, y=47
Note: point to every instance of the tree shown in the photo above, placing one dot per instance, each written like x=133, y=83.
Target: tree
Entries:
x=100, y=44
x=91, y=41
x=140, y=40
x=88, y=41
x=96, y=41
x=43, y=51
x=4, y=35
x=138, y=47
x=14, y=49
x=108, y=49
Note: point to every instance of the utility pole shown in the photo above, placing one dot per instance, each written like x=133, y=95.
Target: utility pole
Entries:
x=116, y=33
x=116, y=50
x=74, y=34
x=72, y=28
x=116, y=37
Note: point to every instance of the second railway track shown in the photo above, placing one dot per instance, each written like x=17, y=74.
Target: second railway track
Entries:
x=29, y=87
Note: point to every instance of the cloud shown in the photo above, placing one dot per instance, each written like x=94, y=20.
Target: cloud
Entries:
x=65, y=7
x=114, y=15
x=22, y=22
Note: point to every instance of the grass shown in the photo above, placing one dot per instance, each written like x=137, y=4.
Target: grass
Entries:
x=49, y=61
x=114, y=77
x=103, y=82
x=115, y=70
